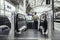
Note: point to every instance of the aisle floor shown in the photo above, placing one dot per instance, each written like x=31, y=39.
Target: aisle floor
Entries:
x=30, y=34
x=56, y=35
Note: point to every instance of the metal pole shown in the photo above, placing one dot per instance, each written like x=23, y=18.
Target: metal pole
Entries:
x=53, y=12
x=11, y=33
x=24, y=6
x=4, y=7
x=52, y=24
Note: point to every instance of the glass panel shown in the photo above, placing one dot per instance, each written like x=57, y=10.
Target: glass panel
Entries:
x=56, y=30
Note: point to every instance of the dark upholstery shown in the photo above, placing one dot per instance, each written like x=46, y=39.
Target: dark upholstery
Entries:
x=4, y=21
x=20, y=21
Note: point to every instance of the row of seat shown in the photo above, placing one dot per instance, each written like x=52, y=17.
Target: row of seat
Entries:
x=4, y=22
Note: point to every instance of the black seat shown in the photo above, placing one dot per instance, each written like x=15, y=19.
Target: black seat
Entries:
x=4, y=21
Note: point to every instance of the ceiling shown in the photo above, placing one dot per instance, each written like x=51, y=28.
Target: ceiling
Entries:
x=37, y=4
x=16, y=2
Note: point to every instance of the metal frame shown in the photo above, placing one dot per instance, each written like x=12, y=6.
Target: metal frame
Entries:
x=52, y=24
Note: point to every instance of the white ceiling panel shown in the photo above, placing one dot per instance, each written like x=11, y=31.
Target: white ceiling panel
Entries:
x=40, y=9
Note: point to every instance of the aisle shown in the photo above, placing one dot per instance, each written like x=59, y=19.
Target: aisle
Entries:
x=57, y=26
x=56, y=35
x=30, y=34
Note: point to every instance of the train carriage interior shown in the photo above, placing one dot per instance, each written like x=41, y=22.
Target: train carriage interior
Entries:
x=17, y=19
